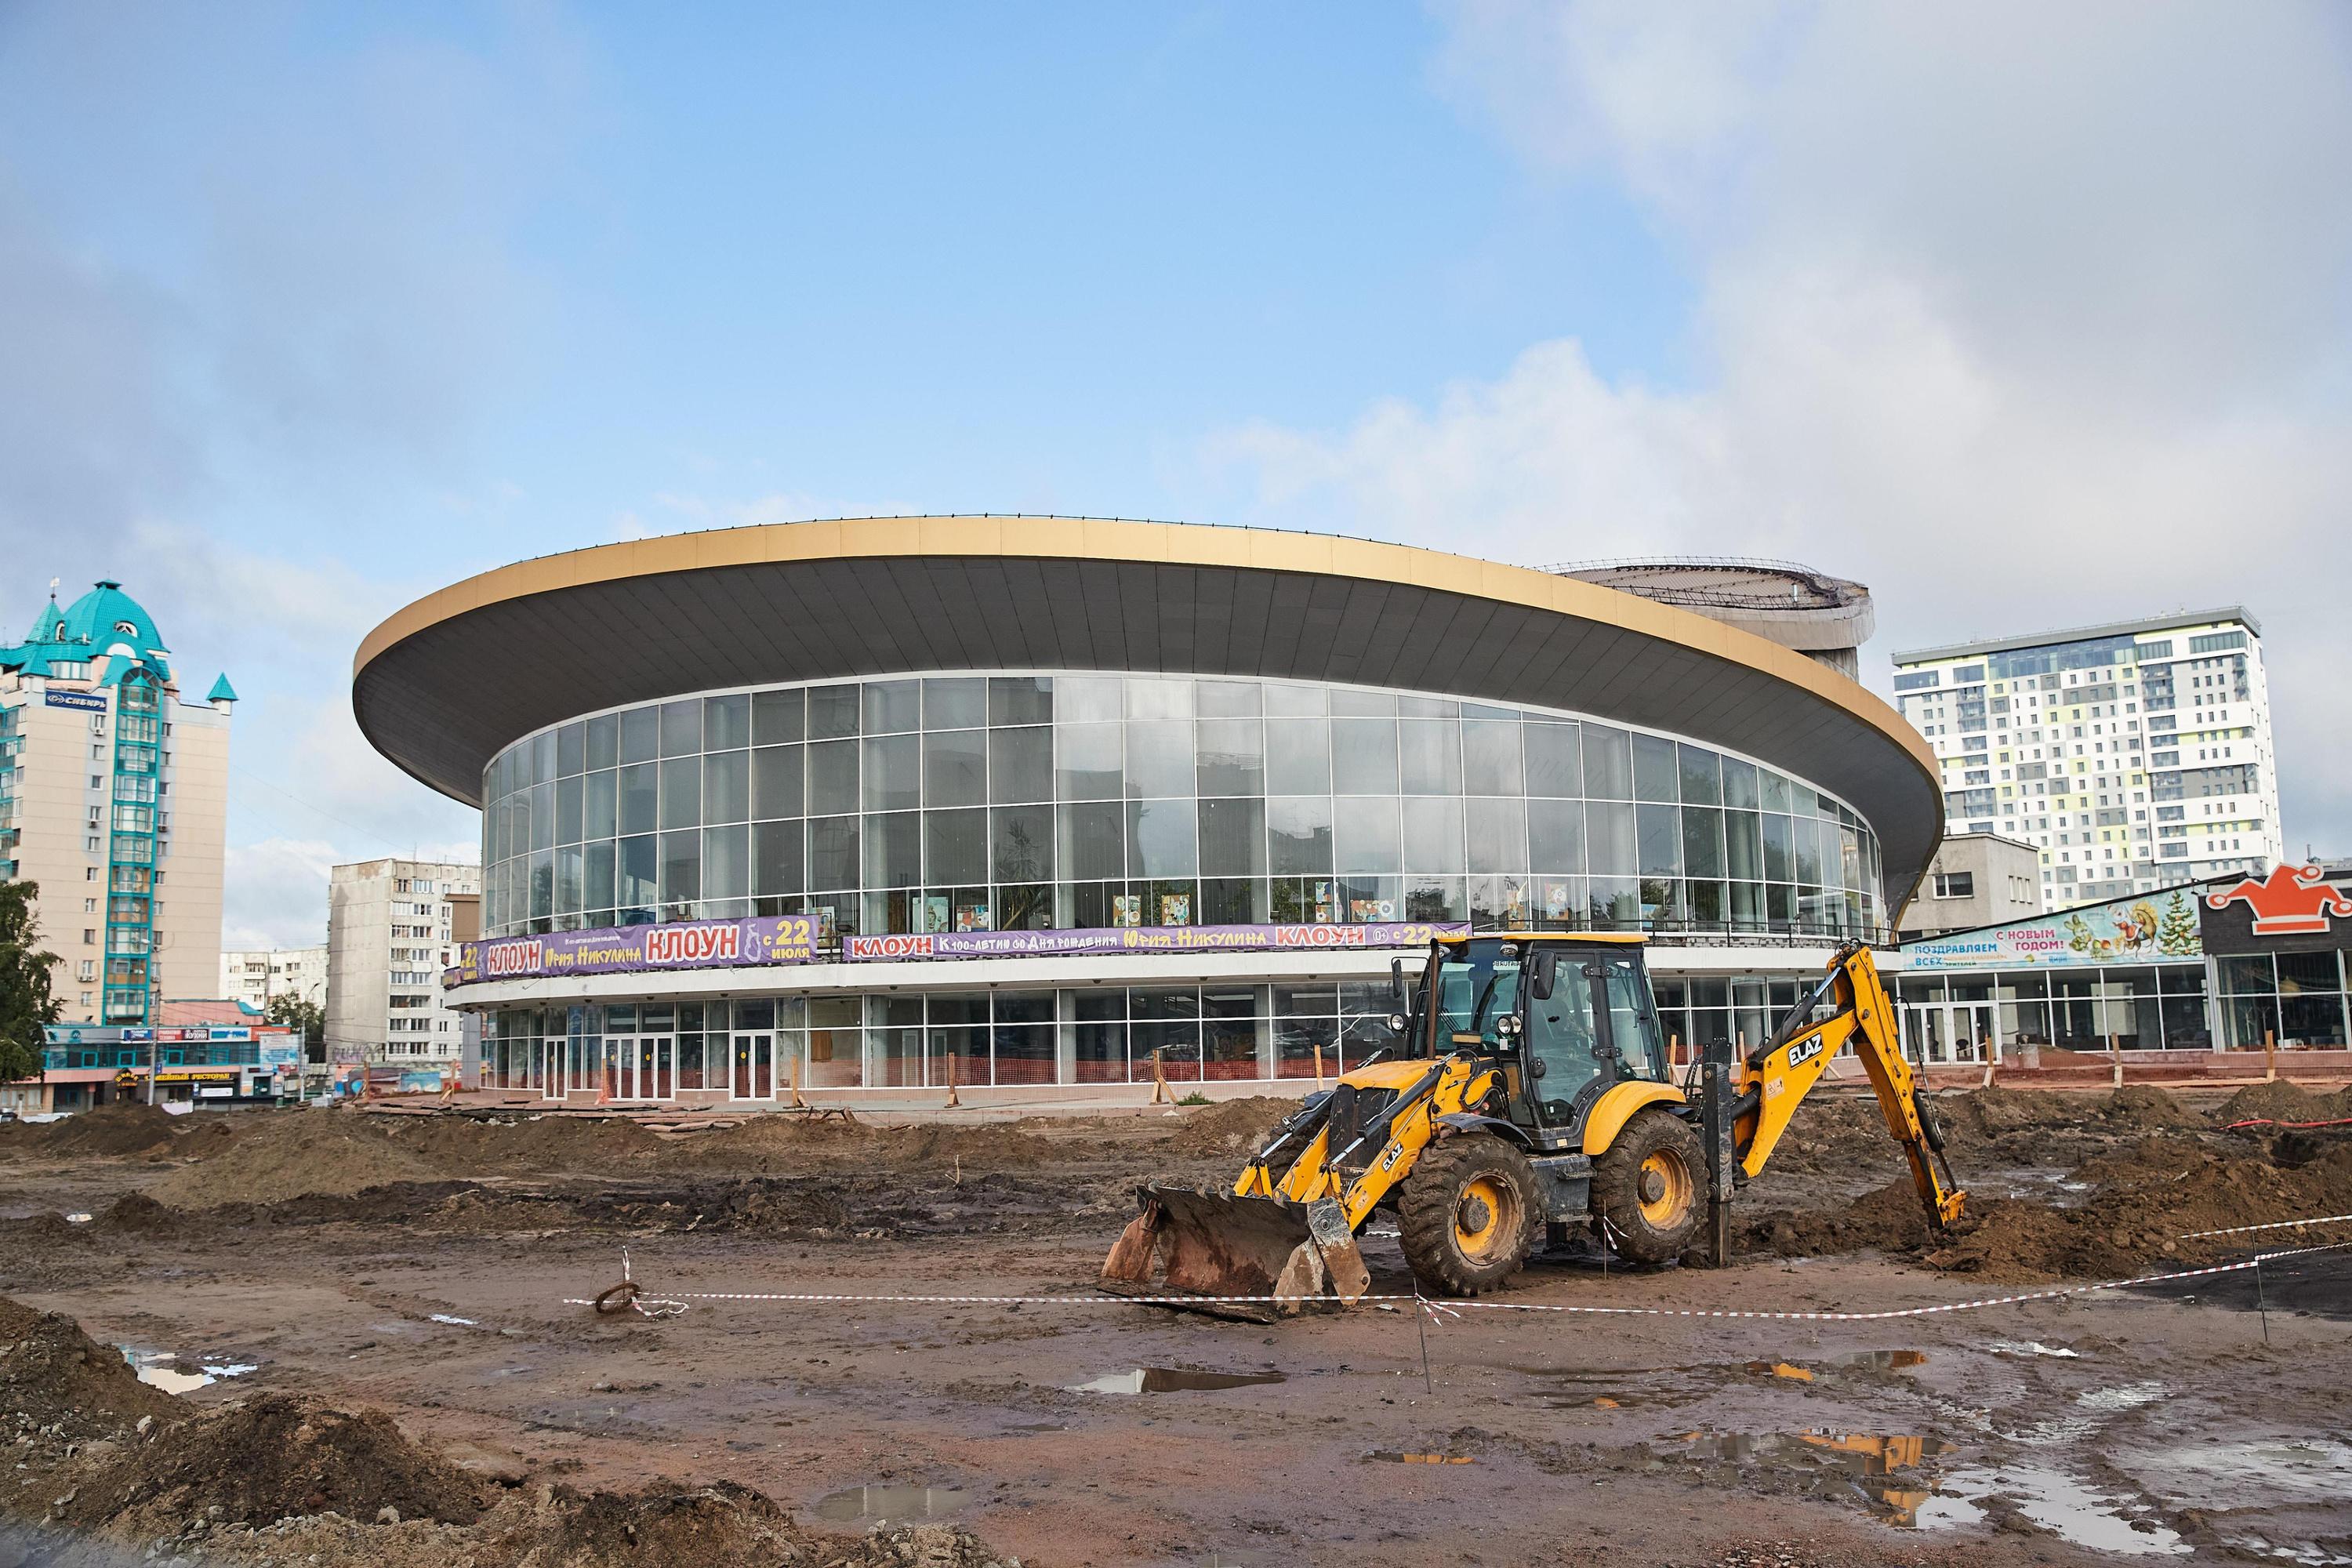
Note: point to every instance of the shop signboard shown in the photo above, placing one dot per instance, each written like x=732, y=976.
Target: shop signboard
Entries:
x=1145, y=939
x=2162, y=924
x=79, y=702
x=2295, y=909
x=617, y=950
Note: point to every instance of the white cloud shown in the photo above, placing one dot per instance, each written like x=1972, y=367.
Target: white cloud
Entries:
x=2029, y=319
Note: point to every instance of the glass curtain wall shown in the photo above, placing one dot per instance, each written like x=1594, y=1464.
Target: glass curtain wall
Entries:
x=982, y=802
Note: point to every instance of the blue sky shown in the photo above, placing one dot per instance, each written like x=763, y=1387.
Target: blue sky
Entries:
x=317, y=308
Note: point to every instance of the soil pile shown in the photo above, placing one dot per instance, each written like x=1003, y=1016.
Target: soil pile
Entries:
x=464, y=1146
x=294, y=1154
x=1229, y=1126
x=785, y=1145
x=109, y=1132
x=2283, y=1102
x=271, y=1456
x=52, y=1373
x=723, y=1525
x=2146, y=1203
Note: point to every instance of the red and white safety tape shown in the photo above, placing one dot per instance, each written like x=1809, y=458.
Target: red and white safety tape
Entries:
x=2274, y=1224
x=673, y=1307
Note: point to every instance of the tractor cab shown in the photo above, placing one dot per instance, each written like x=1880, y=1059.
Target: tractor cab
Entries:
x=1564, y=1017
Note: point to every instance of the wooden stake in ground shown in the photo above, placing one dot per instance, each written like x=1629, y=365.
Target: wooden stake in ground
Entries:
x=1161, y=1093
x=2270, y=1055
x=952, y=1101
x=2115, y=1055
x=793, y=1079
x=1318, y=1064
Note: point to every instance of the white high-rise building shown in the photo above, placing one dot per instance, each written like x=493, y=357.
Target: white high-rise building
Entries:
x=389, y=936
x=254, y=976
x=114, y=800
x=2131, y=756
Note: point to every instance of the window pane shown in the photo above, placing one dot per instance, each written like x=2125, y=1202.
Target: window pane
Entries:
x=1094, y=841
x=542, y=815
x=640, y=734
x=638, y=870
x=1436, y=899
x=957, y=842
x=1702, y=843
x=776, y=858
x=726, y=862
x=1556, y=834
x=776, y=782
x=1498, y=834
x=955, y=766
x=602, y=805
x=1364, y=756
x=833, y=777
x=1020, y=765
x=1232, y=838
x=894, y=850
x=681, y=873
x=892, y=707
x=1020, y=841
x=1158, y=758
x=725, y=723
x=1297, y=756
x=1233, y=756
x=568, y=876
x=725, y=790
x=1490, y=757
x=1227, y=699
x=1365, y=837
x=1554, y=767
x=955, y=702
x=1702, y=774
x=833, y=852
x=570, y=751
x=1298, y=835
x=1608, y=838
x=1021, y=699
x=1293, y=702
x=1433, y=835
x=1088, y=699
x=1148, y=698
x=567, y=811
x=1780, y=856
x=893, y=771
x=1431, y=756
x=1087, y=762
x=681, y=786
x=1739, y=783
x=1161, y=838
x=777, y=717
x=597, y=876
x=603, y=740
x=1657, y=771
x=1806, y=833
x=831, y=712
x=1743, y=844
x=681, y=727
x=1661, y=840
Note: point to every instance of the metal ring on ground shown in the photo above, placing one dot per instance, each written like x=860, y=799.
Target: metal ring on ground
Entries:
x=627, y=1293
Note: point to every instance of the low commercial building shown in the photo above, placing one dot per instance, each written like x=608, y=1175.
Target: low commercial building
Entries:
x=1028, y=805
x=192, y=1064
x=1975, y=879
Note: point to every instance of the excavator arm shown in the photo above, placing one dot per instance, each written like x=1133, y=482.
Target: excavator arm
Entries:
x=1783, y=1071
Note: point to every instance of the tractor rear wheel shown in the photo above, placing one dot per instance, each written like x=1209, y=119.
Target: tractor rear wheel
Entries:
x=1650, y=1187
x=1468, y=1218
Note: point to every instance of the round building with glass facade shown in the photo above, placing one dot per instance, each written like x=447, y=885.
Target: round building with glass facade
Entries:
x=1020, y=803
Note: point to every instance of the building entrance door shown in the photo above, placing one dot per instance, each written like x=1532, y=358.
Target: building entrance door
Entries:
x=640, y=1067
x=551, y=1069
x=1972, y=1033
x=754, y=1076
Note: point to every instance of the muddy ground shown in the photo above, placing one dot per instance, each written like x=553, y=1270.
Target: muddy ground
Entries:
x=366, y=1319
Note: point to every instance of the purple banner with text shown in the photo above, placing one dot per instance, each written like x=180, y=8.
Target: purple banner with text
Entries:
x=1144, y=938
x=687, y=944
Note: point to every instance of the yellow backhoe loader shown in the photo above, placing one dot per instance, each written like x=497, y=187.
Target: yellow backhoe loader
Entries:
x=1529, y=1095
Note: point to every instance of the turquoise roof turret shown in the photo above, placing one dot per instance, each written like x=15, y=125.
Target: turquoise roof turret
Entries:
x=222, y=691
x=105, y=622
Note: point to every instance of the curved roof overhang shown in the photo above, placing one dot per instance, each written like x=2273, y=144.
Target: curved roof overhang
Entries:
x=446, y=683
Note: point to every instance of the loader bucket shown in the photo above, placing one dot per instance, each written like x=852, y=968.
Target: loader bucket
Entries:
x=1215, y=1245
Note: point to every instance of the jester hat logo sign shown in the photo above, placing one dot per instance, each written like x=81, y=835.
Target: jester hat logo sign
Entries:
x=2292, y=901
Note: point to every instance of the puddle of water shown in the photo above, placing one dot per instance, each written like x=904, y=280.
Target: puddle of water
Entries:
x=2031, y=1347
x=454, y=1322
x=891, y=1501
x=2123, y=1397
x=163, y=1370
x=1171, y=1380
x=1398, y=1456
x=2229, y=1475
x=2069, y=1509
x=1781, y=1369
x=1876, y=1464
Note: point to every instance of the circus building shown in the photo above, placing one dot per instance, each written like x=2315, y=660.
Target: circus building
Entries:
x=1032, y=806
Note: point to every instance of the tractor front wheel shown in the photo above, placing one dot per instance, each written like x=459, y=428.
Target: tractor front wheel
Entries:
x=1468, y=1218
x=1650, y=1187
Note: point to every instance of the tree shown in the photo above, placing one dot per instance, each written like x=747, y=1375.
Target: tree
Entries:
x=24, y=1001
x=295, y=1013
x=2178, y=935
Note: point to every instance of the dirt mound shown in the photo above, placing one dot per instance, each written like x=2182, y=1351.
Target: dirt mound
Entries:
x=2146, y=1204
x=723, y=1525
x=1229, y=1126
x=2283, y=1102
x=786, y=1145
x=273, y=1456
x=109, y=1132
x=294, y=1154
x=52, y=1374
x=136, y=1214
x=462, y=1146
x=2144, y=1106
x=1993, y=1112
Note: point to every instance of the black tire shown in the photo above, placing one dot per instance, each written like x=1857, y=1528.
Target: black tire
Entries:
x=1650, y=1187
x=1468, y=1217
